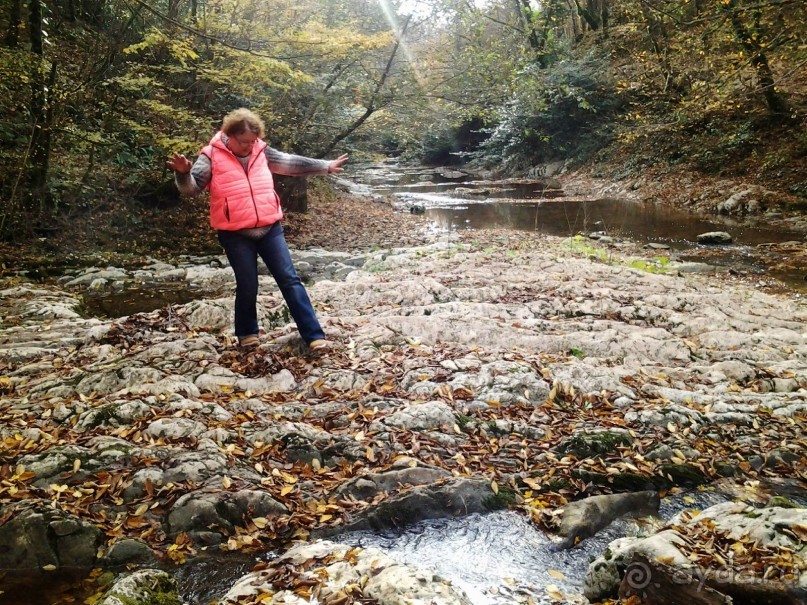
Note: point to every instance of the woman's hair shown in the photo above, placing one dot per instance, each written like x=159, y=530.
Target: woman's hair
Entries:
x=240, y=121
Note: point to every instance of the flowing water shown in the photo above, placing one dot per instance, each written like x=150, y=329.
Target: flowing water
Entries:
x=453, y=201
x=501, y=558
x=497, y=558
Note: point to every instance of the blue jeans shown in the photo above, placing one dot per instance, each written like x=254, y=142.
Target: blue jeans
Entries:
x=243, y=252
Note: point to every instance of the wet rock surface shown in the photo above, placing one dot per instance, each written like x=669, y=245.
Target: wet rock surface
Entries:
x=465, y=378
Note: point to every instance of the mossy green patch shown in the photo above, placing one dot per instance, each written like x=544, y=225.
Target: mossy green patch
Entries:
x=587, y=445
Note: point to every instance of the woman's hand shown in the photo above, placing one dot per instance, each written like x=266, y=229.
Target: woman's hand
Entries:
x=181, y=164
x=336, y=165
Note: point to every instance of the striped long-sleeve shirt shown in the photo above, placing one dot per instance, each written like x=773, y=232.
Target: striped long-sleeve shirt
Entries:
x=287, y=164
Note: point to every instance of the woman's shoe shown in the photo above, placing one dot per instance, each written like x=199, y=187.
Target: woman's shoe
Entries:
x=319, y=346
x=249, y=342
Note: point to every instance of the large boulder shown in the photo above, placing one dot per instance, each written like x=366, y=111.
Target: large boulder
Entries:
x=584, y=518
x=47, y=538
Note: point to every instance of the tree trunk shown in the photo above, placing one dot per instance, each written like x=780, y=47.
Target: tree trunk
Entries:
x=70, y=11
x=37, y=167
x=526, y=16
x=753, y=47
x=574, y=18
x=293, y=192
x=173, y=10
x=373, y=104
x=595, y=14
x=92, y=11
x=14, y=23
x=659, y=42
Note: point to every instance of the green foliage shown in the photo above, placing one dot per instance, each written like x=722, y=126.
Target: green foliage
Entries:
x=657, y=265
x=581, y=245
x=557, y=112
x=119, y=86
x=132, y=84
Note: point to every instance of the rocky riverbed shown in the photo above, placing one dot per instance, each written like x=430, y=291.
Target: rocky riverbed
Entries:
x=517, y=373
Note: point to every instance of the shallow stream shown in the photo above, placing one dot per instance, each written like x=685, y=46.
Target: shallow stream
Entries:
x=453, y=201
x=498, y=558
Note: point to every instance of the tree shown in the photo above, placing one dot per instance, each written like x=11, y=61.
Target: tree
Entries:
x=595, y=14
x=14, y=23
x=41, y=107
x=751, y=35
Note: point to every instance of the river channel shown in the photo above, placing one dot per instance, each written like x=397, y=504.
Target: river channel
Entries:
x=499, y=558
x=454, y=200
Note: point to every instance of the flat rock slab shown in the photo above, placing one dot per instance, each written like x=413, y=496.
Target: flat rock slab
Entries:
x=330, y=571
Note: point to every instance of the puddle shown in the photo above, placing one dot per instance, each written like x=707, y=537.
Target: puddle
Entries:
x=111, y=305
x=45, y=588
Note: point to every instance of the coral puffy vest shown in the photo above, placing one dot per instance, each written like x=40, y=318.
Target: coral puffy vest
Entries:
x=239, y=199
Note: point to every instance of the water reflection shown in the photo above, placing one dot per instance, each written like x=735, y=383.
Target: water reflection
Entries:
x=536, y=205
x=637, y=221
x=136, y=300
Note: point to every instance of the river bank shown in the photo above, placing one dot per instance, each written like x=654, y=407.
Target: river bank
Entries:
x=506, y=370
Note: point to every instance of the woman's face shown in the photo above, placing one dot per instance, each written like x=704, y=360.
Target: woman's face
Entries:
x=241, y=144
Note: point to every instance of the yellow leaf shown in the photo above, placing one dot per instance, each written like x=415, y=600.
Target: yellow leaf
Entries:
x=226, y=482
x=141, y=510
x=76, y=465
x=260, y=522
x=556, y=574
x=287, y=489
x=533, y=483
x=554, y=593
x=494, y=486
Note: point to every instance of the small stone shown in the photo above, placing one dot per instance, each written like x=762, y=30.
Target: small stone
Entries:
x=129, y=551
x=714, y=237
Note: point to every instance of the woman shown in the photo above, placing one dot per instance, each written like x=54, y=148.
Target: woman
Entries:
x=237, y=166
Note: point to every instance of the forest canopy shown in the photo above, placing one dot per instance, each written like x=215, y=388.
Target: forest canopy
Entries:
x=97, y=93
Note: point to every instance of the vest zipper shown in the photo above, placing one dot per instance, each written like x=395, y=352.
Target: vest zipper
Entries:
x=251, y=192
